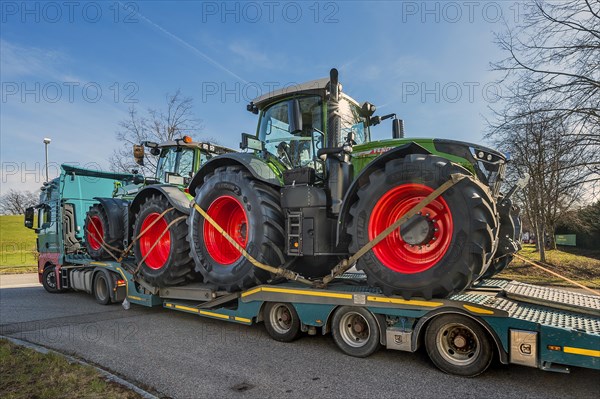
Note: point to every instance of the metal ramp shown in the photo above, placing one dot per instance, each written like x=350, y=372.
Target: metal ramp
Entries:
x=553, y=298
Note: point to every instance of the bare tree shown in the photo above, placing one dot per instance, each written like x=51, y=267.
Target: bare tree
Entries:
x=549, y=114
x=156, y=125
x=542, y=146
x=15, y=202
x=553, y=67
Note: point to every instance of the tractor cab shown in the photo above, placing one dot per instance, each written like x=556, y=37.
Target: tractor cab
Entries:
x=292, y=126
x=178, y=159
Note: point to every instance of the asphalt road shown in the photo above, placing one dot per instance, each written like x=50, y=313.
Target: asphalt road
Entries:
x=183, y=356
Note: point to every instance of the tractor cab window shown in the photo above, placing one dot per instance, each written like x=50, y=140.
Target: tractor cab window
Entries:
x=352, y=121
x=293, y=148
x=175, y=161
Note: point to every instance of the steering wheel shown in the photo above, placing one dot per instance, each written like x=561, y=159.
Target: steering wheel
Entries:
x=283, y=152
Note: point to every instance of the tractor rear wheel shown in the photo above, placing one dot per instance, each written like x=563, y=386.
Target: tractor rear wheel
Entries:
x=96, y=235
x=249, y=211
x=168, y=262
x=440, y=251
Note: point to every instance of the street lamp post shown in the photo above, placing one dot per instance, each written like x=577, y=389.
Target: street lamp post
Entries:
x=46, y=142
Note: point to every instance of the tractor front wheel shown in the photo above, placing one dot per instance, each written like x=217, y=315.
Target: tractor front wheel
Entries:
x=435, y=253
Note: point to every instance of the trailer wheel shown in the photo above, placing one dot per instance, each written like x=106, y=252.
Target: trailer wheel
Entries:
x=458, y=345
x=96, y=231
x=281, y=321
x=49, y=280
x=249, y=211
x=101, y=289
x=168, y=262
x=355, y=331
x=438, y=252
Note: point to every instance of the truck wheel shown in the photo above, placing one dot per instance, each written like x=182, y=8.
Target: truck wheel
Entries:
x=96, y=230
x=49, y=280
x=355, y=331
x=439, y=251
x=169, y=262
x=249, y=211
x=458, y=345
x=101, y=289
x=281, y=321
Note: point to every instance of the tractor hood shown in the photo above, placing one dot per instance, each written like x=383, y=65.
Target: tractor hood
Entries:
x=487, y=164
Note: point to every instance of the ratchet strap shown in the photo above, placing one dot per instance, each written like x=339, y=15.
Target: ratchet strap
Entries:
x=346, y=264
x=556, y=274
x=288, y=274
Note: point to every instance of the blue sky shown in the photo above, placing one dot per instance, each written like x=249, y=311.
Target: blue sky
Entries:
x=71, y=70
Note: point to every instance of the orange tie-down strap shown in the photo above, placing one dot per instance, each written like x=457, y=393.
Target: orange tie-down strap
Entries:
x=345, y=264
x=556, y=274
x=112, y=251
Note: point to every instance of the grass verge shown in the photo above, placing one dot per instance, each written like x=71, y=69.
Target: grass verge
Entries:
x=582, y=266
x=30, y=374
x=17, y=246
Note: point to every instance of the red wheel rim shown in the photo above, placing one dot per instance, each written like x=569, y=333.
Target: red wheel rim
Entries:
x=393, y=251
x=229, y=213
x=156, y=257
x=95, y=232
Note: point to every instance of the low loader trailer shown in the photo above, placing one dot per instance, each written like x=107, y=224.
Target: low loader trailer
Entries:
x=523, y=324
x=270, y=234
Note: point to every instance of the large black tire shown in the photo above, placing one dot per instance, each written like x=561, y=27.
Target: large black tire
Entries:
x=509, y=238
x=97, y=229
x=281, y=321
x=49, y=280
x=422, y=261
x=458, y=345
x=498, y=264
x=169, y=263
x=249, y=210
x=355, y=331
x=101, y=288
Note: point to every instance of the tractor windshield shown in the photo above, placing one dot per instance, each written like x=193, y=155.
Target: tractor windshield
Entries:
x=175, y=161
x=352, y=121
x=294, y=149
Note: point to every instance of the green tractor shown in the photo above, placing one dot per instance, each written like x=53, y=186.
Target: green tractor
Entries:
x=312, y=188
x=157, y=206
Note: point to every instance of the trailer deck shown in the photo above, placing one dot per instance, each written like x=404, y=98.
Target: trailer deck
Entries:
x=533, y=326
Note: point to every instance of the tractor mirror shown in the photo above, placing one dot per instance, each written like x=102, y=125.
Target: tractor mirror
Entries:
x=251, y=142
x=397, y=128
x=29, y=214
x=368, y=109
x=138, y=154
x=295, y=116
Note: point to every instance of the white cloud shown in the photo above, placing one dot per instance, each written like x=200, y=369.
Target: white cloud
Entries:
x=20, y=61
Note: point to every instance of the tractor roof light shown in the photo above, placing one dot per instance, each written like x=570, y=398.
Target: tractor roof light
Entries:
x=187, y=139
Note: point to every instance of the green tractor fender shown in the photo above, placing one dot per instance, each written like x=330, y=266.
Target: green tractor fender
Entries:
x=252, y=163
x=176, y=197
x=363, y=177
